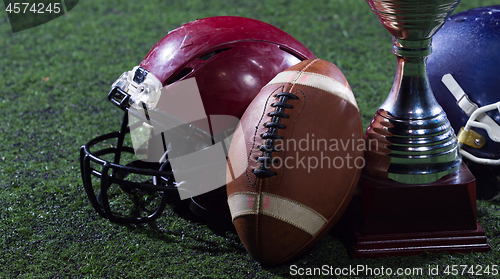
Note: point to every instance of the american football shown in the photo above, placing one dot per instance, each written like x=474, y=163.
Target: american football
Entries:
x=294, y=164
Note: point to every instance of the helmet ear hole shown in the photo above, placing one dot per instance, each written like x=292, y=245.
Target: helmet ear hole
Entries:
x=180, y=75
x=209, y=55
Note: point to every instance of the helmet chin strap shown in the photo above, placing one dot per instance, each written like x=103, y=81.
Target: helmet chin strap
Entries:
x=477, y=118
x=462, y=98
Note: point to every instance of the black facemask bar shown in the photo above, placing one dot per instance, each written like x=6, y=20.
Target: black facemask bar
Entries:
x=162, y=181
x=112, y=172
x=158, y=177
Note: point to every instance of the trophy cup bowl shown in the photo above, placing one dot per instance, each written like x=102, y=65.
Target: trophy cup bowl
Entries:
x=416, y=194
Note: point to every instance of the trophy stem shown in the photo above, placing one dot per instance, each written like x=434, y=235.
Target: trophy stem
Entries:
x=411, y=96
x=410, y=139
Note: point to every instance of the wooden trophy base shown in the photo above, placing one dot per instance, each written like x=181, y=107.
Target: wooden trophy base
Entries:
x=390, y=218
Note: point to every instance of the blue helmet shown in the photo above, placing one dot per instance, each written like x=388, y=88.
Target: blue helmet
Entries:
x=464, y=73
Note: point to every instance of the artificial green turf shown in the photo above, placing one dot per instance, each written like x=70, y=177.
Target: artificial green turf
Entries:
x=54, y=79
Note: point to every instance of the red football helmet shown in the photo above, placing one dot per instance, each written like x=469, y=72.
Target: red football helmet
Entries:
x=230, y=59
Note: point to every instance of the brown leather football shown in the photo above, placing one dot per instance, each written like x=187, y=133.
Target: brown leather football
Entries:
x=294, y=161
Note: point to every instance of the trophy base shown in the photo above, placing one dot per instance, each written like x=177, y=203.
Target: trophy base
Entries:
x=390, y=218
